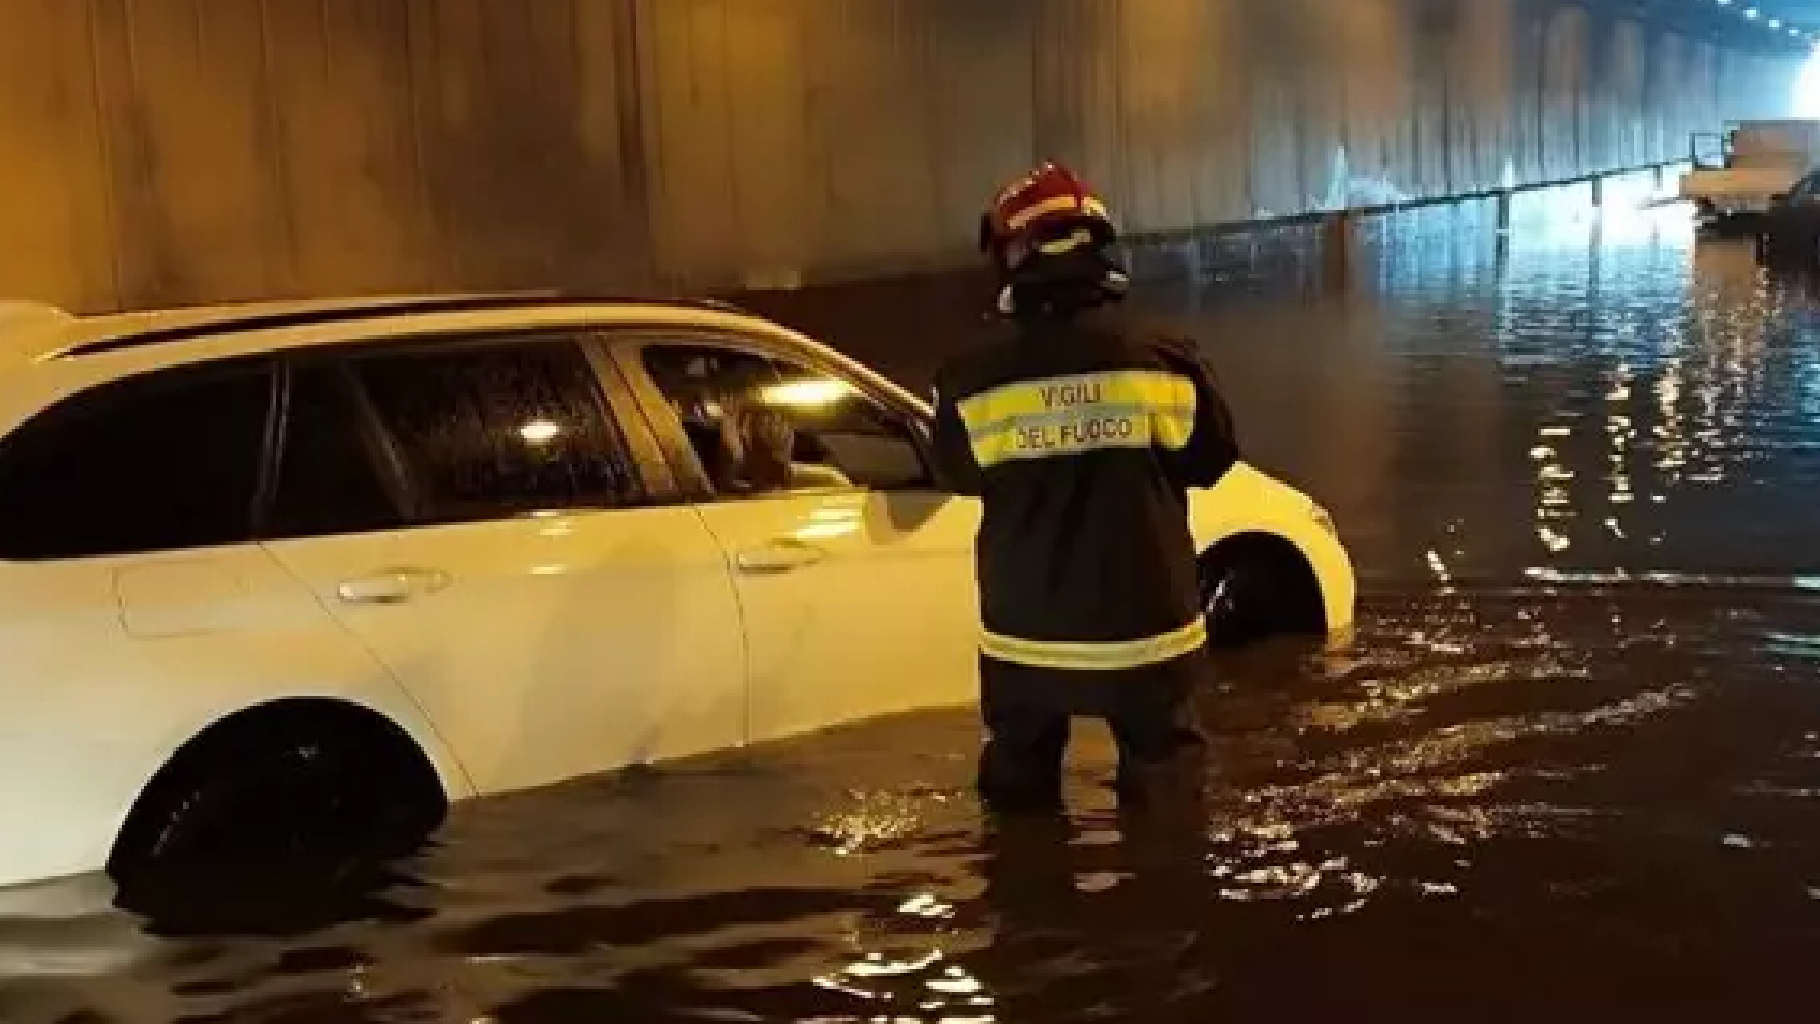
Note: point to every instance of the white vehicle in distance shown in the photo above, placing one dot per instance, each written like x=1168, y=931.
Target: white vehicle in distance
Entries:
x=1757, y=161
x=277, y=573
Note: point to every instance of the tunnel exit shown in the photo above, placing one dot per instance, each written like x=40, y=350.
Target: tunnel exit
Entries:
x=1806, y=99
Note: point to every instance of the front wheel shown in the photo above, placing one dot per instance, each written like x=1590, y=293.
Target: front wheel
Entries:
x=1255, y=592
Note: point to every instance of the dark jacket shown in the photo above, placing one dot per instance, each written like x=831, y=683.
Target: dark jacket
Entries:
x=1082, y=438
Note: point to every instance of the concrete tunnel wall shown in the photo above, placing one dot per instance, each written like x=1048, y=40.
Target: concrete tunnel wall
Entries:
x=174, y=151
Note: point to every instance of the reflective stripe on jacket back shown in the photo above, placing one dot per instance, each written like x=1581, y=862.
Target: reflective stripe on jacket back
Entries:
x=1067, y=415
x=1081, y=442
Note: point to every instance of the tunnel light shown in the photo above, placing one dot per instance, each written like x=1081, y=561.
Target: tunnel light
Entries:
x=812, y=392
x=1775, y=23
x=1751, y=13
x=539, y=431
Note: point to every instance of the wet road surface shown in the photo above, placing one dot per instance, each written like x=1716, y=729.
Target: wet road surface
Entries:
x=1568, y=768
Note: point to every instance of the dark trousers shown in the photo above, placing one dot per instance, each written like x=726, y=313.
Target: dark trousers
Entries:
x=1027, y=714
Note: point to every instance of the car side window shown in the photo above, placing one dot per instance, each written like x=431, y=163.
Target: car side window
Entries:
x=328, y=478
x=159, y=462
x=762, y=425
x=498, y=428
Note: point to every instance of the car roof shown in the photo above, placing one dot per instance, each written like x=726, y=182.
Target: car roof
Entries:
x=228, y=316
x=32, y=331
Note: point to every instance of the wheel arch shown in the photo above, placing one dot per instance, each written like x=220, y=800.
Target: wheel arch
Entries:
x=1282, y=553
x=279, y=715
x=1249, y=507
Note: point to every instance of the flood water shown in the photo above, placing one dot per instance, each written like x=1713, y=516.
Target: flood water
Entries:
x=1567, y=769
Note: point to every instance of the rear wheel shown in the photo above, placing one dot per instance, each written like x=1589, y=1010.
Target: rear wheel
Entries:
x=1257, y=586
x=273, y=805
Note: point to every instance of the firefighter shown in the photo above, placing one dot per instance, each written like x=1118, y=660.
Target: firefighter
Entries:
x=1081, y=434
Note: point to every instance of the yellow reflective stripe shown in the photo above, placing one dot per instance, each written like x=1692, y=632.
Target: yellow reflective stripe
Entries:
x=1099, y=656
x=1156, y=388
x=1063, y=433
x=1079, y=413
x=1174, y=425
x=1062, y=246
x=1057, y=204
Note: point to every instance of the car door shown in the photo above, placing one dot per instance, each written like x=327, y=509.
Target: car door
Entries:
x=135, y=606
x=854, y=573
x=472, y=509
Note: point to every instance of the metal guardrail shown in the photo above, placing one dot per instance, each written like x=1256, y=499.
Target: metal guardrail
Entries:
x=1319, y=217
x=1337, y=226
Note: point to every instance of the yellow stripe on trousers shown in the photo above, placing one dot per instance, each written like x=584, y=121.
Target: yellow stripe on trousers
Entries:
x=1077, y=413
x=1103, y=656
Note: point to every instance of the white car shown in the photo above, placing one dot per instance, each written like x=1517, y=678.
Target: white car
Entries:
x=285, y=570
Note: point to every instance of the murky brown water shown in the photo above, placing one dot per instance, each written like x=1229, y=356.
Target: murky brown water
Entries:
x=1568, y=770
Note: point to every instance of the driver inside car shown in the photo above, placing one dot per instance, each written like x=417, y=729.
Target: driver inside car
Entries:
x=755, y=446
x=747, y=445
x=761, y=444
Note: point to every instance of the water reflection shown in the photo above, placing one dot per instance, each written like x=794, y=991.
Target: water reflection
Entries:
x=1566, y=768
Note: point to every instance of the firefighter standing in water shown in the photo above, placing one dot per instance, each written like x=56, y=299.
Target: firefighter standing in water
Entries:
x=1082, y=435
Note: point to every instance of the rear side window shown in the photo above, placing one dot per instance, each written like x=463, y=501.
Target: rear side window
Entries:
x=328, y=480
x=159, y=462
x=499, y=428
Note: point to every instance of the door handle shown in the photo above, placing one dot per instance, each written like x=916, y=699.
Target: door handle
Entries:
x=392, y=585
x=785, y=554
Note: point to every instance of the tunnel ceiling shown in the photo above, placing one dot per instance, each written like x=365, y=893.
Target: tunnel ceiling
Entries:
x=1800, y=17
x=1780, y=25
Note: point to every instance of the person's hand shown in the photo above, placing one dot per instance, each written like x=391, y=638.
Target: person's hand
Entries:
x=758, y=442
x=767, y=429
x=769, y=441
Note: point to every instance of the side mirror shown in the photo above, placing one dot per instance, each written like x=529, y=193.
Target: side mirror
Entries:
x=1778, y=197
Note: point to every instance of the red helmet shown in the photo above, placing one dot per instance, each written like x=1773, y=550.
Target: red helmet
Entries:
x=1049, y=211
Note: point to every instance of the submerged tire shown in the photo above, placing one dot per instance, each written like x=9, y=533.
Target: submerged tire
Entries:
x=276, y=801
x=1255, y=587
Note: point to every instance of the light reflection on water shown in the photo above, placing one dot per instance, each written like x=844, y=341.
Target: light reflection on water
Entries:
x=1566, y=768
